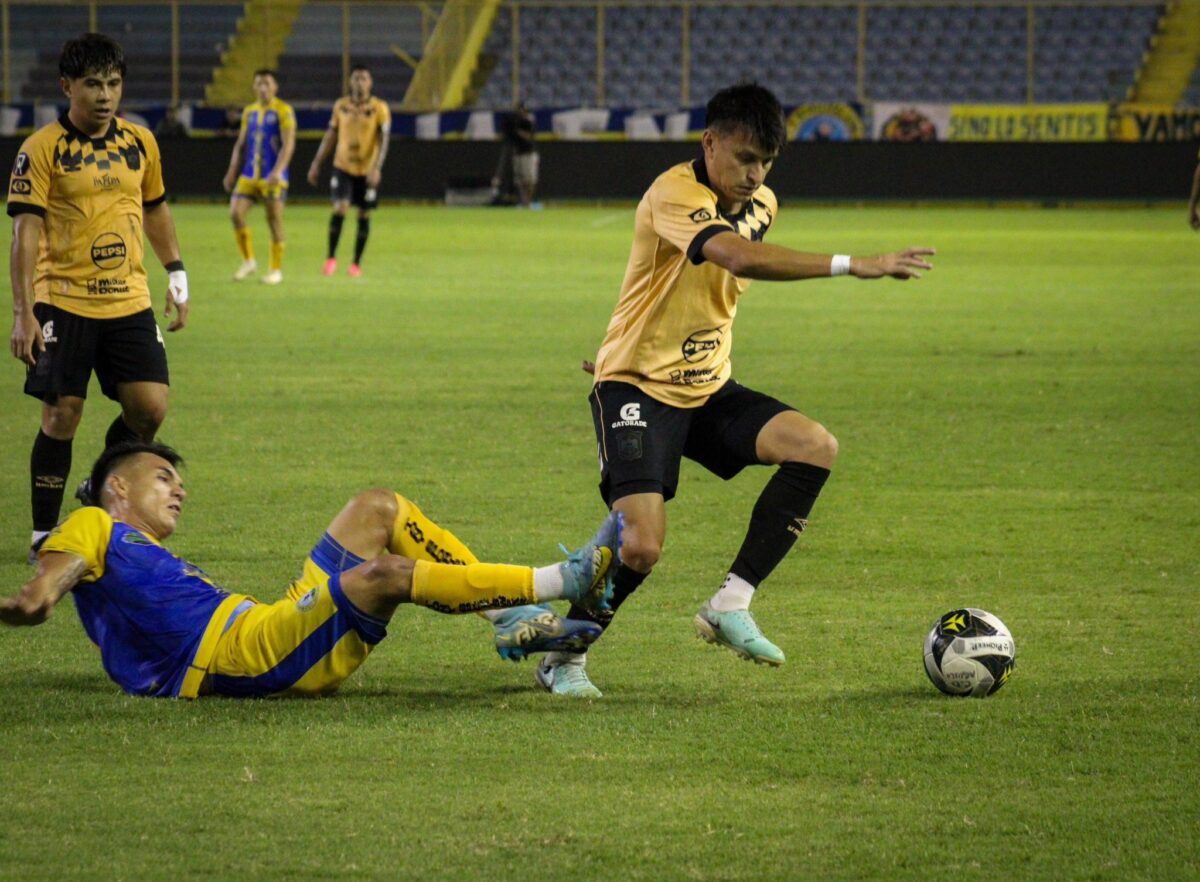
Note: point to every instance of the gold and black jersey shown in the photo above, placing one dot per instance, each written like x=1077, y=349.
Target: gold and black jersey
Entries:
x=361, y=128
x=672, y=330
x=90, y=194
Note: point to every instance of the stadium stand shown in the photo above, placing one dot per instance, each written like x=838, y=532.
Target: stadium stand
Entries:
x=311, y=66
x=145, y=33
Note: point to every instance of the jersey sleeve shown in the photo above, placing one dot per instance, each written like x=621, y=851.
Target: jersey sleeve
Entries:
x=385, y=117
x=29, y=183
x=287, y=118
x=245, y=124
x=153, y=189
x=685, y=214
x=333, y=117
x=84, y=534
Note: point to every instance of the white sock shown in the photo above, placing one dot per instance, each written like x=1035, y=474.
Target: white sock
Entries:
x=735, y=593
x=548, y=582
x=554, y=659
x=38, y=536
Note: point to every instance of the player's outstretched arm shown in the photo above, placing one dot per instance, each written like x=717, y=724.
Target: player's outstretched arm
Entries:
x=160, y=230
x=26, y=340
x=759, y=260
x=58, y=572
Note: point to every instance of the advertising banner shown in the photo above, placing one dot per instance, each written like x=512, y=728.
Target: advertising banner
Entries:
x=1028, y=122
x=825, y=122
x=891, y=121
x=1156, y=122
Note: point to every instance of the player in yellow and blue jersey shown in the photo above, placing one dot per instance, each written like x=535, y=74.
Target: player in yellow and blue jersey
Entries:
x=164, y=628
x=268, y=134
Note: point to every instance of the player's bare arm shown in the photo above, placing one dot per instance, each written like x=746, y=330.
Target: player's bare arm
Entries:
x=160, y=230
x=327, y=142
x=376, y=172
x=231, y=173
x=26, y=338
x=285, y=156
x=1194, y=202
x=58, y=572
x=760, y=260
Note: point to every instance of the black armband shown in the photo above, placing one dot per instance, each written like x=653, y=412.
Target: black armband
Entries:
x=174, y=266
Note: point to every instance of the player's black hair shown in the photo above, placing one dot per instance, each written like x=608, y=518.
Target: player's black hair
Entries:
x=90, y=52
x=117, y=454
x=267, y=72
x=362, y=67
x=752, y=107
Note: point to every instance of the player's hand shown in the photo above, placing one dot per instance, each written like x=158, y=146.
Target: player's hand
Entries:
x=26, y=341
x=25, y=609
x=588, y=367
x=373, y=178
x=902, y=265
x=314, y=174
x=177, y=299
x=275, y=178
x=1194, y=216
x=228, y=182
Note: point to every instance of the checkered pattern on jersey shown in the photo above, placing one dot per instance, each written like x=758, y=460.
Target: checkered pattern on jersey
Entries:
x=119, y=146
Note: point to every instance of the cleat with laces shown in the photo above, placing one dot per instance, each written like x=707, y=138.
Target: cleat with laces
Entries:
x=737, y=630
x=588, y=573
x=245, y=270
x=566, y=677
x=524, y=630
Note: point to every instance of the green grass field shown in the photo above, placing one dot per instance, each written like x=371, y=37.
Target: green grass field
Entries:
x=1018, y=432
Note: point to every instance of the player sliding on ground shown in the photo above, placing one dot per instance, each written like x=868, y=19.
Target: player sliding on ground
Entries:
x=663, y=388
x=164, y=628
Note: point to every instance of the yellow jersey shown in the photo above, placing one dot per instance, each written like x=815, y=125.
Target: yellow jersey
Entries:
x=672, y=330
x=360, y=129
x=90, y=194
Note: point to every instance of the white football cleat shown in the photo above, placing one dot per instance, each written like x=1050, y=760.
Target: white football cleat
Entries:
x=274, y=277
x=245, y=270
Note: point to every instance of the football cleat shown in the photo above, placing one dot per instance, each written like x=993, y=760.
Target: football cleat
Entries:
x=245, y=270
x=568, y=677
x=330, y=267
x=524, y=630
x=355, y=270
x=84, y=492
x=737, y=630
x=587, y=573
x=274, y=277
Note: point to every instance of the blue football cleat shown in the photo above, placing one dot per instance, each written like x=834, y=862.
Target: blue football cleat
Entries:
x=524, y=630
x=588, y=573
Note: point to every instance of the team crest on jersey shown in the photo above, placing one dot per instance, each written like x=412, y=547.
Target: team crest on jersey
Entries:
x=132, y=538
x=700, y=215
x=20, y=188
x=308, y=601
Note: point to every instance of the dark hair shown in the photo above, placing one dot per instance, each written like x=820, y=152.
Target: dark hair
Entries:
x=748, y=106
x=359, y=67
x=266, y=72
x=117, y=454
x=90, y=52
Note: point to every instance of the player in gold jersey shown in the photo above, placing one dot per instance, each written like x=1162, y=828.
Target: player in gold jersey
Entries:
x=360, y=125
x=82, y=192
x=663, y=386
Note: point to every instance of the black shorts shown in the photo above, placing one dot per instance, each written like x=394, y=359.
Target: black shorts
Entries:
x=129, y=349
x=642, y=440
x=350, y=188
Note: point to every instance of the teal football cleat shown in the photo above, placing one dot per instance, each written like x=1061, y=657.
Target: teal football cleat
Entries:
x=567, y=677
x=524, y=630
x=587, y=573
x=738, y=631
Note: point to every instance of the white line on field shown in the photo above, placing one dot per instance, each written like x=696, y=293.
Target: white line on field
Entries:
x=608, y=219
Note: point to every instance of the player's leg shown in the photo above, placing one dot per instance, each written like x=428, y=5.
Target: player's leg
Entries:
x=743, y=428
x=340, y=192
x=50, y=464
x=239, y=205
x=274, y=207
x=361, y=234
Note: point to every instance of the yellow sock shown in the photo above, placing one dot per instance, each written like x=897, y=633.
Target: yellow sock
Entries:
x=457, y=589
x=243, y=243
x=416, y=536
x=277, y=255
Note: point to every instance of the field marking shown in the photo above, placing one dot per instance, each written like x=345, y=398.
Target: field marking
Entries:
x=608, y=219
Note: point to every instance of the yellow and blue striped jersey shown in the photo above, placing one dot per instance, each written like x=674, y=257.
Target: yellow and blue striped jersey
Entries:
x=155, y=617
x=263, y=127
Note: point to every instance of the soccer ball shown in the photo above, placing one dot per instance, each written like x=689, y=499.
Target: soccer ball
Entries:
x=969, y=652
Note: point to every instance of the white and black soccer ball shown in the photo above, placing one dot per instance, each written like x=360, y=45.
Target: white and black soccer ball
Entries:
x=969, y=652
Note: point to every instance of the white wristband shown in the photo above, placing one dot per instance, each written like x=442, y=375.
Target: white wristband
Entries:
x=177, y=286
x=840, y=265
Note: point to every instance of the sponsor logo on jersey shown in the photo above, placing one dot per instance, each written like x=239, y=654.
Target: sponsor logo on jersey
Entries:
x=700, y=215
x=20, y=188
x=105, y=287
x=106, y=181
x=631, y=417
x=21, y=165
x=701, y=344
x=108, y=251
x=48, y=332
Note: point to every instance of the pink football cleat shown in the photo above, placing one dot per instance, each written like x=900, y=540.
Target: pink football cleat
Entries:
x=330, y=267
x=355, y=272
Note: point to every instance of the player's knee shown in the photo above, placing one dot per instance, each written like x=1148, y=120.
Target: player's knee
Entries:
x=639, y=550
x=146, y=419
x=826, y=445
x=378, y=505
x=61, y=419
x=379, y=583
x=816, y=445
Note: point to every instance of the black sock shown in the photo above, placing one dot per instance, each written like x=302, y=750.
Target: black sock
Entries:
x=119, y=431
x=49, y=466
x=360, y=240
x=779, y=516
x=625, y=582
x=335, y=232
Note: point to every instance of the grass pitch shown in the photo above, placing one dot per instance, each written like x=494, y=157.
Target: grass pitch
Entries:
x=1018, y=433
